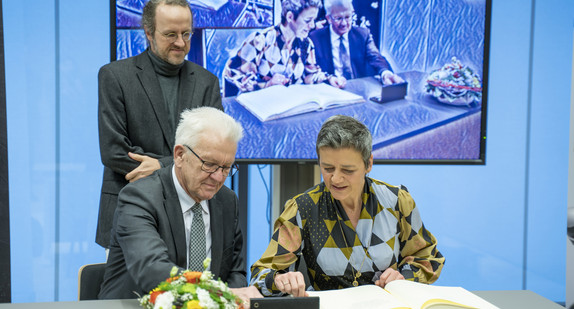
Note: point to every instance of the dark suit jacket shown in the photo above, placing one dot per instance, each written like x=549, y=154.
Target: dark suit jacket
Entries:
x=132, y=117
x=148, y=238
x=366, y=60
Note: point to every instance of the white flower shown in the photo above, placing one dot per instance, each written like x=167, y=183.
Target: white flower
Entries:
x=219, y=285
x=164, y=301
x=186, y=297
x=205, y=300
x=227, y=304
x=206, y=276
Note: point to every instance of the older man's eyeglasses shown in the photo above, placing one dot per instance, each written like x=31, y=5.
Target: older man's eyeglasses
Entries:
x=211, y=168
x=348, y=18
x=171, y=37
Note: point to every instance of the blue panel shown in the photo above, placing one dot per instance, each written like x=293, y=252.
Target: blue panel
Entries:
x=80, y=166
x=549, y=126
x=30, y=107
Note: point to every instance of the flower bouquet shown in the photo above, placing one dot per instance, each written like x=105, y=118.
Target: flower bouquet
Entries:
x=454, y=84
x=191, y=290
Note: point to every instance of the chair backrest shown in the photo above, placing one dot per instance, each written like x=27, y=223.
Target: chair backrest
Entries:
x=90, y=278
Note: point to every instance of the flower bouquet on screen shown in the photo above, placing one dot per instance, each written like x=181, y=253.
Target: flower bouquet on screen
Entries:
x=455, y=84
x=191, y=290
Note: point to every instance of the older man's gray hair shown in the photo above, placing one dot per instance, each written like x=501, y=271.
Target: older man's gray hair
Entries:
x=329, y=4
x=206, y=122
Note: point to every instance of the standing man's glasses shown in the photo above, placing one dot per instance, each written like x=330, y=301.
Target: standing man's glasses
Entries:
x=211, y=168
x=172, y=36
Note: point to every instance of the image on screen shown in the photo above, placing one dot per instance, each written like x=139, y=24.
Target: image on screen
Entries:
x=435, y=113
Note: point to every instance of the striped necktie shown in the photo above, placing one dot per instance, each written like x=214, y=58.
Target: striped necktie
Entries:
x=345, y=59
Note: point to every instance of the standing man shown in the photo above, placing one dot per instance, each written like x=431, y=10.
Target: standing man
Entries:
x=348, y=51
x=181, y=214
x=140, y=99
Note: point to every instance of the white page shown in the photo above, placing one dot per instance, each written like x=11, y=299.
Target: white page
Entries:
x=417, y=294
x=361, y=297
x=280, y=101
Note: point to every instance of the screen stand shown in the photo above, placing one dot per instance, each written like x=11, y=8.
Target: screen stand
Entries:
x=5, y=275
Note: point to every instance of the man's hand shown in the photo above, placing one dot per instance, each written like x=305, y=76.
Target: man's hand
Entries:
x=337, y=81
x=387, y=276
x=147, y=166
x=292, y=283
x=389, y=78
x=246, y=293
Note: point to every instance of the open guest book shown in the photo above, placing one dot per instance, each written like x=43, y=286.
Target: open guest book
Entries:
x=401, y=294
x=283, y=101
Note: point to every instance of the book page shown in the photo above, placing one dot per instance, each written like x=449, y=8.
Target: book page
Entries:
x=280, y=101
x=361, y=297
x=420, y=295
x=276, y=101
x=329, y=96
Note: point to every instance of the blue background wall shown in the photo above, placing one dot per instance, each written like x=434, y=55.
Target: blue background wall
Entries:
x=500, y=226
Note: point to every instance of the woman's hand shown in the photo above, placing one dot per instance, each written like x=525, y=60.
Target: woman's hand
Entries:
x=277, y=79
x=387, y=276
x=291, y=283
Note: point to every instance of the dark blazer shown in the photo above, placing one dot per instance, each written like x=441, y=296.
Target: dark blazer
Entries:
x=132, y=117
x=366, y=60
x=148, y=238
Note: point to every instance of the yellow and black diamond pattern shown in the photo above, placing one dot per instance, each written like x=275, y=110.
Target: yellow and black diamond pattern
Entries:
x=389, y=233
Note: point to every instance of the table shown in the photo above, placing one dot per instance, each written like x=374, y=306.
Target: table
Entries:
x=390, y=124
x=514, y=299
x=517, y=299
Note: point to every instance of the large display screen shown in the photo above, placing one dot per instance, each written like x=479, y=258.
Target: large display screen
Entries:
x=438, y=48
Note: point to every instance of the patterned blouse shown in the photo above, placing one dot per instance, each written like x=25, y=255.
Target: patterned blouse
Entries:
x=265, y=53
x=389, y=233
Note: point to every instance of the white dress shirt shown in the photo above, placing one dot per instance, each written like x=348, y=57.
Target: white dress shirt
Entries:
x=186, y=203
x=335, y=41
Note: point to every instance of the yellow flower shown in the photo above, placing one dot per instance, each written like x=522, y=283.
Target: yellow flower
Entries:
x=193, y=304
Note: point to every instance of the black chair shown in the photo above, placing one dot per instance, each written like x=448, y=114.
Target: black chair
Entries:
x=90, y=278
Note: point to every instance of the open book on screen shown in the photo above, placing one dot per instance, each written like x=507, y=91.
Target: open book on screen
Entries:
x=283, y=101
x=401, y=294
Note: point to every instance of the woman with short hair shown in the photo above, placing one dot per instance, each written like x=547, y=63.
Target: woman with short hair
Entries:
x=350, y=229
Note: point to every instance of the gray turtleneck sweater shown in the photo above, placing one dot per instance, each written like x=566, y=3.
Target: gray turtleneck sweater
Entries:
x=168, y=76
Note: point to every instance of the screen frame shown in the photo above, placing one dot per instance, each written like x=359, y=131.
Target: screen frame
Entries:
x=483, y=110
